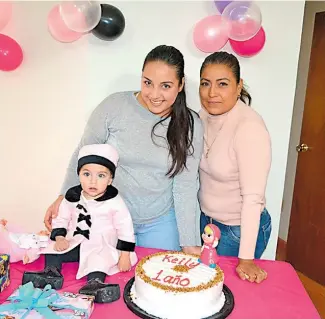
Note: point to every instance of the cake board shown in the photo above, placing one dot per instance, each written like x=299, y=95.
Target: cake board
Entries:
x=222, y=314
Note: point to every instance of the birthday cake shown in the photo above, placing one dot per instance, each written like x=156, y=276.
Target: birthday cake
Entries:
x=175, y=285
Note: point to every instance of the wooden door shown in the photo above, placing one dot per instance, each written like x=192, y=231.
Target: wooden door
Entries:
x=306, y=238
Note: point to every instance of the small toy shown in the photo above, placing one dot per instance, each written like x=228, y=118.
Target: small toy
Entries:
x=21, y=246
x=210, y=236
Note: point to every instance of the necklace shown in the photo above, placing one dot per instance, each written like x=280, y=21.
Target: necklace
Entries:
x=208, y=147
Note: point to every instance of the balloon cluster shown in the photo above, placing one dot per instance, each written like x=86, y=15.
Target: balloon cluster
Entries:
x=70, y=20
x=11, y=53
x=239, y=22
x=67, y=22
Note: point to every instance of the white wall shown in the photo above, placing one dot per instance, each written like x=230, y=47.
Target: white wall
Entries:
x=47, y=101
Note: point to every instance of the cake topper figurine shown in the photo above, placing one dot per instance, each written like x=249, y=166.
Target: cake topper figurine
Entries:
x=210, y=236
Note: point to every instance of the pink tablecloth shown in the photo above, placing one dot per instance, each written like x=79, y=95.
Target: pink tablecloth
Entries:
x=281, y=296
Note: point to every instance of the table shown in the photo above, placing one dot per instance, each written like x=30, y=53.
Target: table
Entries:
x=281, y=296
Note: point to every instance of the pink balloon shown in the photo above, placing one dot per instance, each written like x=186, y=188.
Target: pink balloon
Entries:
x=5, y=13
x=11, y=54
x=211, y=34
x=250, y=47
x=58, y=29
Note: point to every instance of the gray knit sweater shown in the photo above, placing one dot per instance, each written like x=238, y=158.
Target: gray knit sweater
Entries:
x=141, y=173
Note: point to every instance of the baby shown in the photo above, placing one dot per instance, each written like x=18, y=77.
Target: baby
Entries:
x=93, y=227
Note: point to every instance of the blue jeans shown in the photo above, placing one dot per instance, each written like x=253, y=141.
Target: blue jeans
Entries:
x=230, y=235
x=161, y=233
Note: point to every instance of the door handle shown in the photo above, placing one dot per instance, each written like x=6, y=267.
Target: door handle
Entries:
x=302, y=148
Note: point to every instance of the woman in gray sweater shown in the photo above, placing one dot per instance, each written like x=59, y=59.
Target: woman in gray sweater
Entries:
x=160, y=141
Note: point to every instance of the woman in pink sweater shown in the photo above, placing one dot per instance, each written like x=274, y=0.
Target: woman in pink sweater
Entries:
x=234, y=166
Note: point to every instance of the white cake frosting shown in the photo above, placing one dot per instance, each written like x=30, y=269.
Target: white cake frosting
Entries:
x=173, y=285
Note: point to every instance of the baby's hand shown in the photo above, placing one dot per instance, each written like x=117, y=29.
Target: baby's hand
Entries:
x=61, y=243
x=124, y=263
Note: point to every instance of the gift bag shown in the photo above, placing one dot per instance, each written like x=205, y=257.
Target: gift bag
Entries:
x=28, y=302
x=4, y=271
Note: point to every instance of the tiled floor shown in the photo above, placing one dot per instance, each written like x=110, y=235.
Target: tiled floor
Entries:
x=314, y=289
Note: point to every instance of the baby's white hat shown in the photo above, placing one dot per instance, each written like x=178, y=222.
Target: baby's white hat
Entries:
x=102, y=154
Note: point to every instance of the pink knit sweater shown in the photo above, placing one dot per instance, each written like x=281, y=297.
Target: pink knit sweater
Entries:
x=234, y=175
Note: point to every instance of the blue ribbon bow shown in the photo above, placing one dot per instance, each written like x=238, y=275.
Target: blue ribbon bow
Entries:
x=30, y=298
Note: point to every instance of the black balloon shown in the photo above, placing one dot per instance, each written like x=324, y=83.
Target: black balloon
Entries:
x=111, y=24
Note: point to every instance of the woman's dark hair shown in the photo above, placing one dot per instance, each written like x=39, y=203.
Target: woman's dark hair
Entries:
x=232, y=62
x=181, y=125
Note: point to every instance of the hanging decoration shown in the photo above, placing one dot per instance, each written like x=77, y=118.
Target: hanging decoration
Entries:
x=11, y=54
x=68, y=21
x=221, y=4
x=80, y=16
x=58, y=29
x=244, y=19
x=239, y=22
x=5, y=13
x=111, y=24
x=249, y=47
x=211, y=34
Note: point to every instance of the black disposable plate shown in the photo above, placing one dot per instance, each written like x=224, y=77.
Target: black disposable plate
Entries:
x=222, y=314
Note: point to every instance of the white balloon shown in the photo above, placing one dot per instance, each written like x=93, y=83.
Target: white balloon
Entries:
x=244, y=18
x=80, y=16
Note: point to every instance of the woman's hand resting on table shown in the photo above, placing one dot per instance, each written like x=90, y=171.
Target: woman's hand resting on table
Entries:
x=52, y=212
x=247, y=269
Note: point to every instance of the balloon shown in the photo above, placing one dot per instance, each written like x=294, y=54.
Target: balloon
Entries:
x=245, y=19
x=111, y=24
x=250, y=47
x=11, y=54
x=59, y=29
x=211, y=34
x=221, y=5
x=5, y=13
x=80, y=16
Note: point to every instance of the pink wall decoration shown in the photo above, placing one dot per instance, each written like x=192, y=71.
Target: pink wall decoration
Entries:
x=250, y=47
x=11, y=54
x=5, y=13
x=58, y=29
